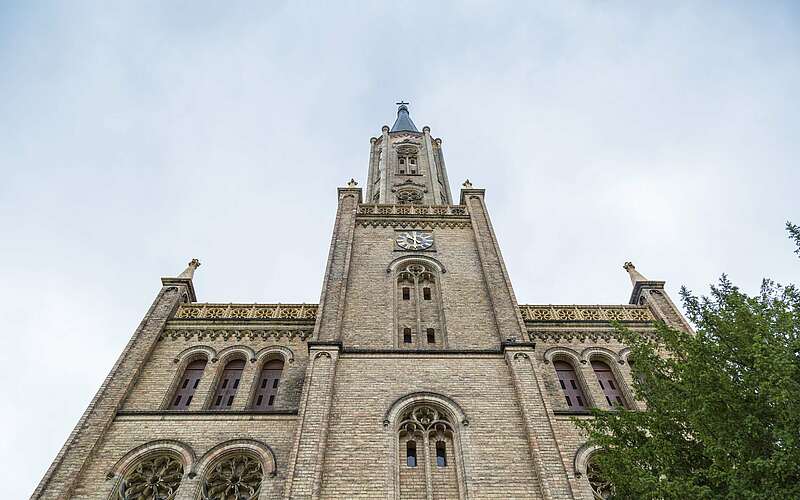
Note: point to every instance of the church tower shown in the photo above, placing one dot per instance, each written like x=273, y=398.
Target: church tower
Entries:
x=416, y=376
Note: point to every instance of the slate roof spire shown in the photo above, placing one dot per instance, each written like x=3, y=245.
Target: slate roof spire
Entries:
x=403, y=122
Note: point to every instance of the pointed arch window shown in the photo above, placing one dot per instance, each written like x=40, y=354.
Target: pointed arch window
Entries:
x=441, y=454
x=228, y=385
x=187, y=385
x=267, y=385
x=570, y=386
x=608, y=383
x=418, y=306
x=411, y=453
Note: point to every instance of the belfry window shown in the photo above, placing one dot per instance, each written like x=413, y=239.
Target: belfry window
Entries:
x=570, y=385
x=407, y=160
x=228, y=385
x=608, y=383
x=267, y=388
x=418, y=306
x=188, y=384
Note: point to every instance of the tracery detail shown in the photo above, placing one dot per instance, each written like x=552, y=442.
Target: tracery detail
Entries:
x=237, y=477
x=602, y=489
x=409, y=197
x=154, y=478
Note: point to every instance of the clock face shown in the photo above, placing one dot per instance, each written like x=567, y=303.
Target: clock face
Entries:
x=414, y=240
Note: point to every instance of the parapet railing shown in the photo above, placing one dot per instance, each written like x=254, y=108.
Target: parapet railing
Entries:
x=437, y=210
x=585, y=313
x=247, y=311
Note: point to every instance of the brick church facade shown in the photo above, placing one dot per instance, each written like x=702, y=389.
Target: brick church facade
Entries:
x=417, y=376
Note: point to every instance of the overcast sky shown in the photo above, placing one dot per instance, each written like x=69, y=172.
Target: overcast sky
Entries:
x=135, y=137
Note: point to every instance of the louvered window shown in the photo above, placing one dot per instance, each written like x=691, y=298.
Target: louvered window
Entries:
x=608, y=383
x=267, y=388
x=568, y=381
x=188, y=384
x=228, y=385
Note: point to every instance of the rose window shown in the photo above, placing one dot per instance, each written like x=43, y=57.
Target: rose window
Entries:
x=234, y=478
x=155, y=478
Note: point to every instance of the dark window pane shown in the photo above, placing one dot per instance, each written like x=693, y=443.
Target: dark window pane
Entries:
x=406, y=335
x=441, y=454
x=426, y=293
x=569, y=401
x=411, y=454
x=406, y=293
x=431, y=336
x=178, y=400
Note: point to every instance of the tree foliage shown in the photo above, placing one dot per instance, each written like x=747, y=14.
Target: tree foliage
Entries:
x=722, y=417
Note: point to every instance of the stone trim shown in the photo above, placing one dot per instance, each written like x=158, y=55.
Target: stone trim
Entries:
x=191, y=414
x=183, y=450
x=237, y=334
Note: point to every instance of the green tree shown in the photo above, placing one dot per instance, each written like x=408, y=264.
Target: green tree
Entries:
x=722, y=416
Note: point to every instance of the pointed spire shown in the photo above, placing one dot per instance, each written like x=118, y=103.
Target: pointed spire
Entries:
x=188, y=273
x=403, y=122
x=633, y=273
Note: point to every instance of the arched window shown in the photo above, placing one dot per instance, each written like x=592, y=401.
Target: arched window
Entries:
x=411, y=453
x=418, y=306
x=267, y=385
x=188, y=385
x=409, y=197
x=608, y=383
x=228, y=385
x=407, y=160
x=156, y=476
x=236, y=476
x=570, y=385
x=429, y=426
x=602, y=489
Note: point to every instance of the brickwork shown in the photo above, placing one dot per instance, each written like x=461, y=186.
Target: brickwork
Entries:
x=351, y=393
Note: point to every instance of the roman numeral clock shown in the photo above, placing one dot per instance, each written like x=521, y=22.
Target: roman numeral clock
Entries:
x=414, y=240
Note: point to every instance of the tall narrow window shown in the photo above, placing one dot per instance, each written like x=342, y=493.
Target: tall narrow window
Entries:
x=411, y=453
x=441, y=454
x=406, y=293
x=570, y=385
x=188, y=384
x=267, y=388
x=228, y=385
x=426, y=293
x=608, y=383
x=406, y=335
x=431, y=336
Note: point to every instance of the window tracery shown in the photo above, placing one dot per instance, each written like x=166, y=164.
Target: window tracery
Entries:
x=407, y=160
x=235, y=477
x=602, y=489
x=409, y=197
x=152, y=478
x=424, y=435
x=418, y=307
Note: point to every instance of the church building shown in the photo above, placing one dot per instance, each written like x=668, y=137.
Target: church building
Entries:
x=418, y=375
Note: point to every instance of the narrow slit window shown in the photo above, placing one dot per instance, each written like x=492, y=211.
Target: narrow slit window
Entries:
x=406, y=293
x=411, y=454
x=426, y=293
x=431, y=336
x=441, y=454
x=406, y=335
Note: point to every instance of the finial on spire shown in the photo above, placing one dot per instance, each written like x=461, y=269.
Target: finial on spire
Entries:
x=352, y=183
x=633, y=273
x=467, y=184
x=188, y=273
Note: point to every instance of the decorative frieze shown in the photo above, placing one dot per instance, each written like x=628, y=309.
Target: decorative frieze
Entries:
x=430, y=210
x=577, y=336
x=248, y=311
x=413, y=224
x=620, y=313
x=234, y=334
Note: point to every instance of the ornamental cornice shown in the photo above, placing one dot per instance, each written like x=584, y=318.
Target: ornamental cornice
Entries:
x=570, y=313
x=413, y=224
x=235, y=334
x=578, y=336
